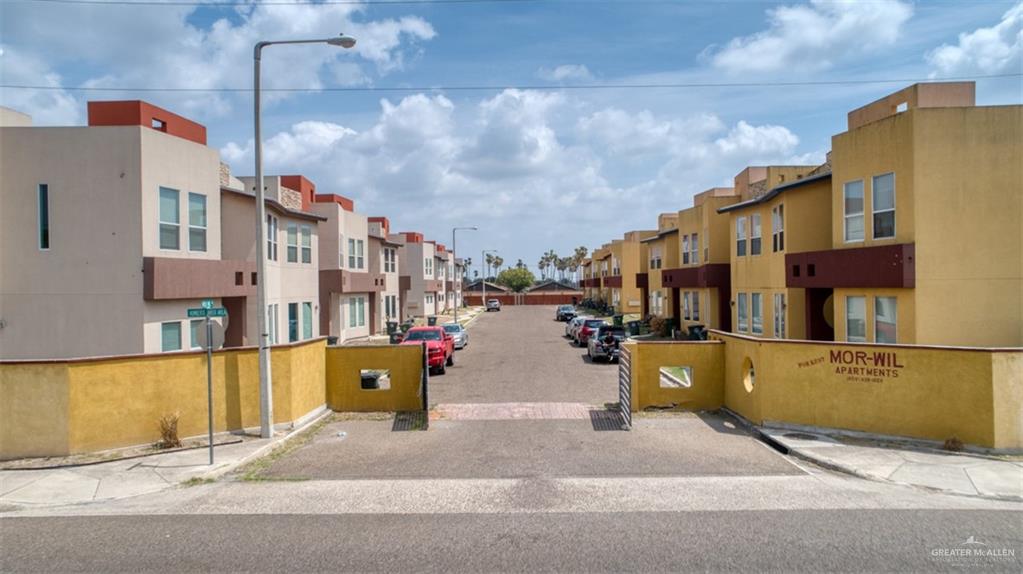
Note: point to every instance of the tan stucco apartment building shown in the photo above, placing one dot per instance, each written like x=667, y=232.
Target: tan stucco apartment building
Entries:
x=384, y=261
x=109, y=232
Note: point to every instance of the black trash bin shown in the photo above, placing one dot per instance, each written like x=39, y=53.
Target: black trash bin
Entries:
x=392, y=327
x=633, y=328
x=370, y=381
x=431, y=321
x=697, y=333
x=331, y=340
x=617, y=320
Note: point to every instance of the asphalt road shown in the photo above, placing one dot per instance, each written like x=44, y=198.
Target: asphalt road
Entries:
x=551, y=492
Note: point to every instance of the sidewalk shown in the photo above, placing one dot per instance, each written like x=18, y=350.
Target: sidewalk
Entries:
x=131, y=477
x=956, y=473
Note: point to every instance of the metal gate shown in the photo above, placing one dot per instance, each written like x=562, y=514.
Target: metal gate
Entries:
x=625, y=387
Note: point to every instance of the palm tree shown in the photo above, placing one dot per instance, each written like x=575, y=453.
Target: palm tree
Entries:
x=490, y=263
x=466, y=264
x=519, y=264
x=542, y=266
x=580, y=253
x=498, y=262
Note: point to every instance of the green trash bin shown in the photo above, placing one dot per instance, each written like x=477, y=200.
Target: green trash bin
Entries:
x=633, y=327
x=617, y=320
x=431, y=321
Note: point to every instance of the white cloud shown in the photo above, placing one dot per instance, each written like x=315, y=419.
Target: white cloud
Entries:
x=812, y=37
x=569, y=72
x=985, y=50
x=45, y=106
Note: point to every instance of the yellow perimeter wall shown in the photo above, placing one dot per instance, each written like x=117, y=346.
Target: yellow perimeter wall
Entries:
x=920, y=392
x=67, y=407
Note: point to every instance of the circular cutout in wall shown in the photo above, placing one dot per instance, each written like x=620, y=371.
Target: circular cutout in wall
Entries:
x=748, y=374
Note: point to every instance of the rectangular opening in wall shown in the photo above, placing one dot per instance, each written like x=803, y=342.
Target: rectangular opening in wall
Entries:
x=811, y=270
x=239, y=278
x=253, y=277
x=158, y=124
x=901, y=107
x=676, y=377
x=44, y=216
x=795, y=270
x=375, y=379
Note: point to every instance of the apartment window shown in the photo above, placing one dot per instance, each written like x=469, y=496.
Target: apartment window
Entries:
x=856, y=319
x=740, y=236
x=390, y=261
x=292, y=322
x=757, y=313
x=685, y=305
x=778, y=228
x=170, y=336
x=754, y=241
x=360, y=308
x=271, y=238
x=196, y=222
x=885, y=313
x=779, y=315
x=170, y=219
x=195, y=327
x=694, y=250
x=853, y=206
x=307, y=244
x=292, y=243
x=351, y=253
x=428, y=266
x=685, y=250
x=307, y=320
x=429, y=299
x=271, y=323
x=696, y=305
x=44, y=216
x=360, y=260
x=882, y=191
x=740, y=305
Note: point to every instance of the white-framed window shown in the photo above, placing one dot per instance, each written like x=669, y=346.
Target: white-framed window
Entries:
x=886, y=320
x=852, y=205
x=428, y=266
x=685, y=305
x=696, y=305
x=272, y=324
x=882, y=189
x=307, y=320
x=615, y=267
x=740, y=236
x=685, y=250
x=292, y=322
x=307, y=244
x=778, y=228
x=43, y=200
x=170, y=336
x=356, y=254
x=694, y=250
x=195, y=327
x=271, y=237
x=757, y=312
x=741, y=311
x=390, y=260
x=170, y=220
x=856, y=318
x=429, y=299
x=341, y=251
x=196, y=222
x=754, y=235
x=779, y=315
x=292, y=245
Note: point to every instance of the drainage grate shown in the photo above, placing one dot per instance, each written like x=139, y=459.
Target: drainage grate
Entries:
x=608, y=421
x=800, y=436
x=410, y=421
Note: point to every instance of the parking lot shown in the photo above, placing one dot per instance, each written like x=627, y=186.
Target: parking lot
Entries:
x=521, y=401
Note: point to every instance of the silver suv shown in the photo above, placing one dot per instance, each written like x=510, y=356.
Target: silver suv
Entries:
x=493, y=305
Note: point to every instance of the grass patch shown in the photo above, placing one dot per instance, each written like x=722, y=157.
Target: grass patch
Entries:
x=198, y=480
x=253, y=472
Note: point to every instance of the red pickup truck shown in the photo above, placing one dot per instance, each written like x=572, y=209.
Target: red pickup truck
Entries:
x=439, y=344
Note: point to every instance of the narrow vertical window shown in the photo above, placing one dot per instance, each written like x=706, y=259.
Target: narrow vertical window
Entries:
x=757, y=313
x=882, y=191
x=778, y=228
x=885, y=315
x=755, y=237
x=779, y=315
x=351, y=312
x=307, y=244
x=195, y=326
x=44, y=216
x=740, y=236
x=694, y=249
x=292, y=322
x=362, y=311
x=351, y=253
x=853, y=209
x=740, y=304
x=696, y=305
x=685, y=250
x=360, y=260
x=196, y=222
x=271, y=238
x=170, y=219
x=856, y=319
x=685, y=305
x=307, y=320
x=170, y=336
x=292, y=243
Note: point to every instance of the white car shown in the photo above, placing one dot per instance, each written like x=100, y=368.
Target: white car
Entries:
x=493, y=305
x=459, y=333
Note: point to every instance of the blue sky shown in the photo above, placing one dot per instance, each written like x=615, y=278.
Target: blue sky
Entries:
x=535, y=170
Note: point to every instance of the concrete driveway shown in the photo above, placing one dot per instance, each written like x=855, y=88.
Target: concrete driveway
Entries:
x=521, y=401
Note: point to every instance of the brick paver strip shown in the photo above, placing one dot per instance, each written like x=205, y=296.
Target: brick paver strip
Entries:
x=511, y=411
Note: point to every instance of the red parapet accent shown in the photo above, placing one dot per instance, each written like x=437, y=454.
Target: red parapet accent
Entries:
x=412, y=236
x=139, y=113
x=880, y=266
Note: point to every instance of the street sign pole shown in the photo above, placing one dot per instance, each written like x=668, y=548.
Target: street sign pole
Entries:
x=209, y=381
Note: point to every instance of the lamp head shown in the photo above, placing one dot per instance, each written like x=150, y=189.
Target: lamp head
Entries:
x=342, y=40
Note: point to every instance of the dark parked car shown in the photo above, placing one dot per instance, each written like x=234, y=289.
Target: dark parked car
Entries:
x=564, y=313
x=605, y=343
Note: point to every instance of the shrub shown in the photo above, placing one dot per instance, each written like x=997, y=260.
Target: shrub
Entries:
x=953, y=444
x=169, y=431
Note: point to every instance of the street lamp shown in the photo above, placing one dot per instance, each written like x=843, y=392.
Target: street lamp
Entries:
x=455, y=254
x=482, y=259
x=266, y=407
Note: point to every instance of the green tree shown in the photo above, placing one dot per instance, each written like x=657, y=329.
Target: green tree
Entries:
x=517, y=279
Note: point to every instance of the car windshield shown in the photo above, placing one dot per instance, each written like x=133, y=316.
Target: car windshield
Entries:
x=452, y=328
x=430, y=335
x=566, y=308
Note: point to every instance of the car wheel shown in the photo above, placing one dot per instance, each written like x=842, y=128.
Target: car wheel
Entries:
x=451, y=359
